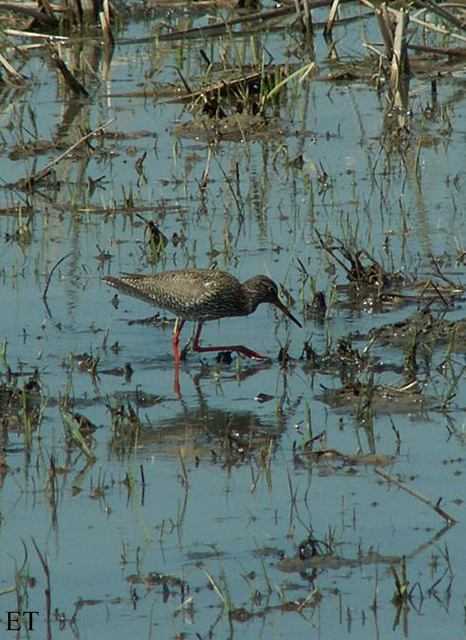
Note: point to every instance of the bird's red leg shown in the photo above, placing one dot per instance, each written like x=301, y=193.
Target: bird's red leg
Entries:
x=176, y=340
x=176, y=380
x=248, y=353
x=176, y=355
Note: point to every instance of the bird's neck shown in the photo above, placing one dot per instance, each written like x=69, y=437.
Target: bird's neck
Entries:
x=251, y=297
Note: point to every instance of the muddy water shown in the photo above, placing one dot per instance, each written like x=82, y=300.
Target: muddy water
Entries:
x=208, y=511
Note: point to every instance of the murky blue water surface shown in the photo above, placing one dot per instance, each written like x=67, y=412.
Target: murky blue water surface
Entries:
x=229, y=493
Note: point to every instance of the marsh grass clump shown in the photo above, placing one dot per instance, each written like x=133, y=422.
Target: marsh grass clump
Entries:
x=362, y=270
x=21, y=406
x=237, y=101
x=235, y=94
x=366, y=399
x=155, y=241
x=170, y=585
x=342, y=360
x=79, y=432
x=127, y=425
x=372, y=285
x=420, y=334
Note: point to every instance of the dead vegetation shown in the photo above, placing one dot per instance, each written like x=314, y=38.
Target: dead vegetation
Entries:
x=21, y=405
x=233, y=89
x=429, y=330
x=383, y=289
x=365, y=399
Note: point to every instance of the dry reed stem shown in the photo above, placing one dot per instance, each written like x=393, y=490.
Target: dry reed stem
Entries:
x=435, y=506
x=105, y=23
x=38, y=36
x=253, y=17
x=70, y=79
x=421, y=23
x=14, y=76
x=441, y=12
x=399, y=71
x=42, y=172
x=384, y=21
x=332, y=16
x=437, y=29
x=451, y=52
x=28, y=9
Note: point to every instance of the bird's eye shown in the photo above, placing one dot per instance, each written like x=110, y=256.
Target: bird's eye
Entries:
x=271, y=290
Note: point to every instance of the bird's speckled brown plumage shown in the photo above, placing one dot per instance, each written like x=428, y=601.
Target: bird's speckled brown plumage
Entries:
x=198, y=294
x=202, y=295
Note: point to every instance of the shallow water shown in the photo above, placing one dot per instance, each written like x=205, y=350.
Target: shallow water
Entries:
x=216, y=491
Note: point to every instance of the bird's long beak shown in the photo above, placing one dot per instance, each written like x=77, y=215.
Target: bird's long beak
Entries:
x=287, y=312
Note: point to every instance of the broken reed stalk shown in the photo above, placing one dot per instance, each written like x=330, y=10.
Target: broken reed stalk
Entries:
x=105, y=23
x=433, y=7
x=49, y=38
x=303, y=13
x=257, y=17
x=43, y=19
x=457, y=288
x=418, y=21
x=14, y=76
x=393, y=26
x=400, y=64
x=43, y=172
x=70, y=80
x=332, y=16
x=438, y=29
x=87, y=10
x=384, y=21
x=433, y=505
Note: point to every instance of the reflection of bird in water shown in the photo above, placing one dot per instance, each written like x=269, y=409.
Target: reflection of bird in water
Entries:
x=202, y=295
x=207, y=434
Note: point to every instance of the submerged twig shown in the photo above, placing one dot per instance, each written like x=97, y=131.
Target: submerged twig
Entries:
x=450, y=283
x=49, y=278
x=44, y=171
x=433, y=505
